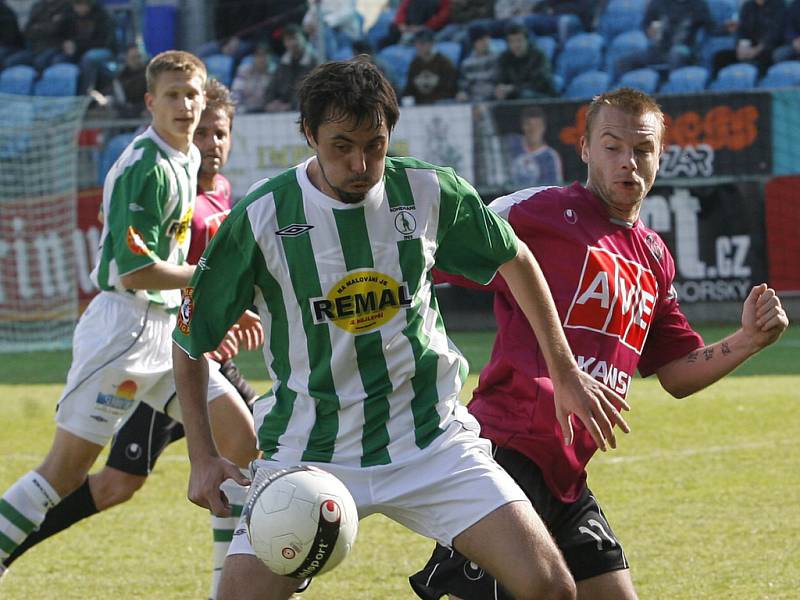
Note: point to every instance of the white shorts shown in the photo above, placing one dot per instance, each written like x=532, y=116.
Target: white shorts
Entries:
x=441, y=493
x=122, y=355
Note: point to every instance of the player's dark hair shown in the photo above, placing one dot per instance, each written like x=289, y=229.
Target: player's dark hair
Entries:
x=218, y=97
x=531, y=112
x=340, y=90
x=628, y=100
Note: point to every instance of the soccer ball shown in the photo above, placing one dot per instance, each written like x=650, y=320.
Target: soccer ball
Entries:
x=301, y=521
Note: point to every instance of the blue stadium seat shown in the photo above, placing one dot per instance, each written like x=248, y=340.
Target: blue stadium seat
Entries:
x=624, y=44
x=220, y=66
x=686, y=80
x=620, y=16
x=399, y=57
x=738, y=76
x=722, y=10
x=16, y=124
x=645, y=80
x=451, y=50
x=587, y=85
x=111, y=152
x=60, y=79
x=546, y=44
x=17, y=80
x=498, y=45
x=712, y=45
x=582, y=52
x=380, y=29
x=782, y=74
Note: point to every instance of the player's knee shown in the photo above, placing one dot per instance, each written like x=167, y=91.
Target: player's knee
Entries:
x=554, y=584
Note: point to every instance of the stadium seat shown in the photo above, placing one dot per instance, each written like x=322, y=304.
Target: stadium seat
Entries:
x=499, y=45
x=17, y=80
x=645, y=80
x=58, y=80
x=220, y=66
x=582, y=52
x=686, y=80
x=620, y=16
x=712, y=45
x=546, y=44
x=16, y=124
x=451, y=50
x=380, y=29
x=783, y=74
x=587, y=85
x=624, y=44
x=738, y=76
x=722, y=10
x=110, y=153
x=399, y=56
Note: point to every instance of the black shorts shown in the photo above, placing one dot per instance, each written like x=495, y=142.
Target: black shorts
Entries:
x=141, y=440
x=580, y=530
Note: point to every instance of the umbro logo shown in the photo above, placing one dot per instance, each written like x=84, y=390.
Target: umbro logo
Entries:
x=134, y=207
x=294, y=230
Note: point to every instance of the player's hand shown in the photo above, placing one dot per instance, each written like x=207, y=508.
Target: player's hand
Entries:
x=597, y=406
x=227, y=349
x=763, y=317
x=205, y=480
x=249, y=330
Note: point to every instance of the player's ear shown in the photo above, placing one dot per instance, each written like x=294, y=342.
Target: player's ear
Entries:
x=148, y=101
x=584, y=149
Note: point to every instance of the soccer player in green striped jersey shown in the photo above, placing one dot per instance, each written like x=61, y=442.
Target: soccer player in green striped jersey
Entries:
x=337, y=254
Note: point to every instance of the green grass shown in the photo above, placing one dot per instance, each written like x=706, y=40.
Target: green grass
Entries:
x=704, y=493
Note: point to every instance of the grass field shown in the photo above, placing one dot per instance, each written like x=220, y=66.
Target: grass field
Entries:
x=704, y=493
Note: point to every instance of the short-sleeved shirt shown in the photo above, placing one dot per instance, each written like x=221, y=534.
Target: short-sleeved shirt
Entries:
x=364, y=372
x=210, y=210
x=612, y=285
x=540, y=167
x=148, y=198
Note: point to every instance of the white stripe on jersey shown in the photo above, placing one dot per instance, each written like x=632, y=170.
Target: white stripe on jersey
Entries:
x=502, y=205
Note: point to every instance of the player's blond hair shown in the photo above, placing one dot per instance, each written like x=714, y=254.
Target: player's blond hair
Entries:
x=171, y=61
x=627, y=100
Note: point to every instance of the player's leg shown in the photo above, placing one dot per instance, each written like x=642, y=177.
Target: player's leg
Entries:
x=245, y=577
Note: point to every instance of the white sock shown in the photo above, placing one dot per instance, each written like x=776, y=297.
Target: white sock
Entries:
x=22, y=509
x=223, y=528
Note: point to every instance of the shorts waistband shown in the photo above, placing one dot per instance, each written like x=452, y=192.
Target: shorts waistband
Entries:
x=155, y=310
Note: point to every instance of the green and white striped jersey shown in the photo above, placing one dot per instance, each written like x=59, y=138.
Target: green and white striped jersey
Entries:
x=148, y=197
x=364, y=372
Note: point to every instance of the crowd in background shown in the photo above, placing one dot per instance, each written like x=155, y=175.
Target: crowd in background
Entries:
x=434, y=51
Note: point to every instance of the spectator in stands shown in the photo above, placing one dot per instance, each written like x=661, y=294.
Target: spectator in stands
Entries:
x=587, y=11
x=431, y=75
x=464, y=13
x=249, y=89
x=296, y=62
x=511, y=9
x=412, y=16
x=11, y=40
x=672, y=27
x=759, y=31
x=523, y=69
x=130, y=84
x=239, y=25
x=536, y=163
x=478, y=72
x=340, y=25
x=791, y=48
x=44, y=35
x=89, y=41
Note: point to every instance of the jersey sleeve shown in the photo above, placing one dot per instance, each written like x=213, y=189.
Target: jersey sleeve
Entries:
x=136, y=213
x=472, y=240
x=221, y=289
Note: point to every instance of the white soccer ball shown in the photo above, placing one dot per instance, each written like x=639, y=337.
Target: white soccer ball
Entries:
x=301, y=521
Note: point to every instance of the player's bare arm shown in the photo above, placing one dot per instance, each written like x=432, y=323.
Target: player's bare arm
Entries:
x=208, y=468
x=161, y=275
x=575, y=391
x=763, y=322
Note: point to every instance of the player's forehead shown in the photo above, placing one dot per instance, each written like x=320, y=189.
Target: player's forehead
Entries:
x=351, y=128
x=617, y=123
x=214, y=118
x=176, y=80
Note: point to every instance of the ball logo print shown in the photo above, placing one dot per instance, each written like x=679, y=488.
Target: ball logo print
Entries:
x=301, y=521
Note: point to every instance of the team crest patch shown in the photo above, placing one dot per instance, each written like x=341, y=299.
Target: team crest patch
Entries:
x=294, y=230
x=186, y=311
x=136, y=243
x=361, y=302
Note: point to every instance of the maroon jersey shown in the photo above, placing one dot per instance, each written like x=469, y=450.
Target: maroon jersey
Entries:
x=210, y=210
x=612, y=285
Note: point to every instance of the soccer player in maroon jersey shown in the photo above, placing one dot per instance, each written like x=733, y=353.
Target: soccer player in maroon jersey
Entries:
x=611, y=278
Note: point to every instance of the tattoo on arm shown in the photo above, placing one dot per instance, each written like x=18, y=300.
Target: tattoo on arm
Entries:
x=708, y=353
x=692, y=357
x=726, y=349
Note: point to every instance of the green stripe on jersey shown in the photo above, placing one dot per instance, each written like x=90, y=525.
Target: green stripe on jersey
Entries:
x=352, y=228
x=305, y=283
